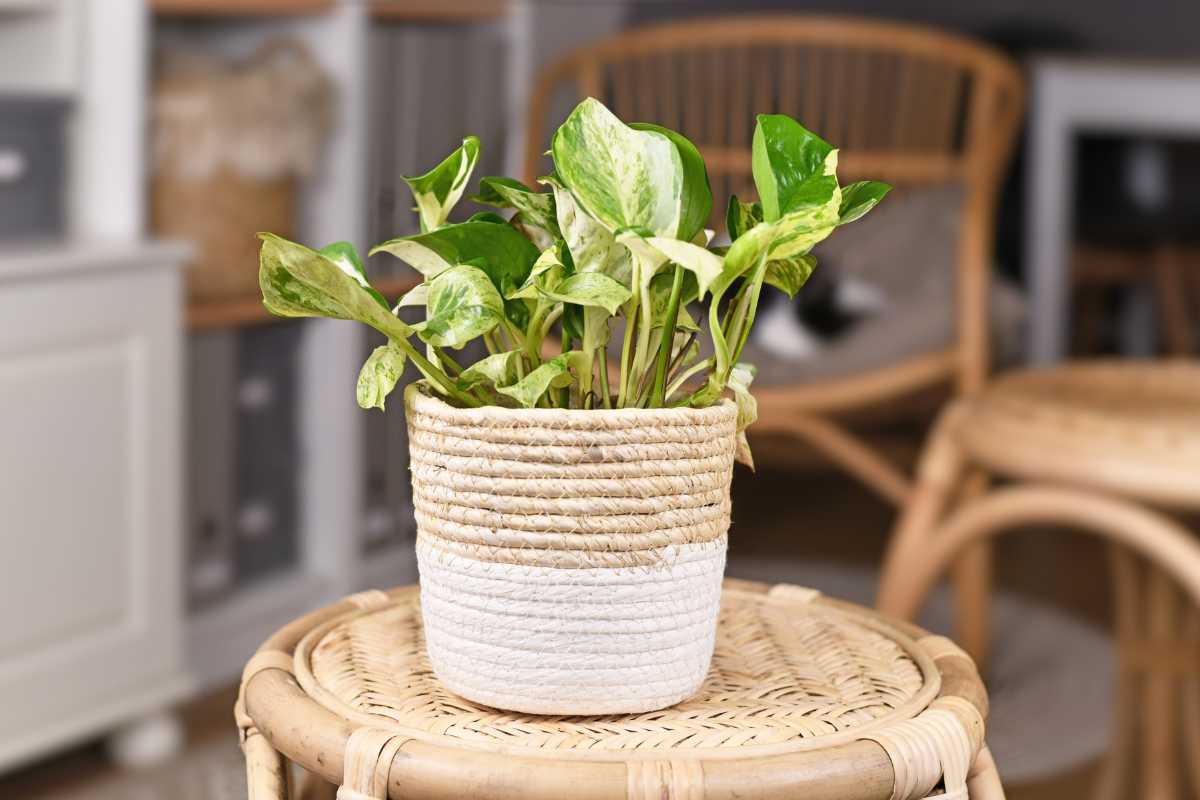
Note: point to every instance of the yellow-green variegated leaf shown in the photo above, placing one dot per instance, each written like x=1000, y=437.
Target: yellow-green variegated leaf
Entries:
x=536, y=209
x=297, y=281
x=588, y=289
x=591, y=245
x=463, y=304
x=499, y=369
x=789, y=274
x=624, y=178
x=859, y=198
x=416, y=296
x=655, y=251
x=499, y=250
x=379, y=375
x=740, y=378
x=554, y=374
x=548, y=269
x=439, y=190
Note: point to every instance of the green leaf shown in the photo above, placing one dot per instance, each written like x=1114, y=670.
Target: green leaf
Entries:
x=696, y=198
x=379, y=375
x=297, y=281
x=346, y=258
x=535, y=208
x=789, y=274
x=554, y=374
x=790, y=166
x=793, y=235
x=658, y=250
x=741, y=217
x=500, y=251
x=589, y=289
x=547, y=270
x=859, y=198
x=622, y=177
x=437, y=191
x=495, y=370
x=488, y=216
x=591, y=246
x=740, y=378
x=462, y=305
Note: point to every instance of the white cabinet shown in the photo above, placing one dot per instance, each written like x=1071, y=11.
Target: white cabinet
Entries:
x=91, y=606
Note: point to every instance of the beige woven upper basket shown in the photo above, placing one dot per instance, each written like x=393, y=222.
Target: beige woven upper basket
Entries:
x=805, y=698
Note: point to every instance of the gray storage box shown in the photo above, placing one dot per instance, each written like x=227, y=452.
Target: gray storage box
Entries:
x=32, y=166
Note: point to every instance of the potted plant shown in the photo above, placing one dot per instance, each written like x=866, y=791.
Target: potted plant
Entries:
x=572, y=507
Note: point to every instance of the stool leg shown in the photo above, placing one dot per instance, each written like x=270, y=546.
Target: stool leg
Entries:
x=268, y=776
x=1114, y=773
x=1159, y=763
x=983, y=783
x=972, y=577
x=939, y=474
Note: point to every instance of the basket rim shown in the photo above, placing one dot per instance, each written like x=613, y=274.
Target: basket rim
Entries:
x=419, y=397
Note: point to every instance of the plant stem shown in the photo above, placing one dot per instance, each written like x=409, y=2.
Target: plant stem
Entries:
x=448, y=362
x=602, y=358
x=626, y=346
x=668, y=339
x=760, y=272
x=677, y=384
x=434, y=374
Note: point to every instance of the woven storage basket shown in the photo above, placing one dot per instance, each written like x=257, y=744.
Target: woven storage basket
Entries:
x=570, y=560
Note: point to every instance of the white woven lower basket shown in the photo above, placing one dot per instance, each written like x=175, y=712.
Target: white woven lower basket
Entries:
x=570, y=560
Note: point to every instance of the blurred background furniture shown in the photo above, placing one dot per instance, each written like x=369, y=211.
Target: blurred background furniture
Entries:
x=1107, y=447
x=908, y=105
x=90, y=404
x=1074, y=96
x=807, y=696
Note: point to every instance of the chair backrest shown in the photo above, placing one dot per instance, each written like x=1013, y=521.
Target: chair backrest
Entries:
x=905, y=104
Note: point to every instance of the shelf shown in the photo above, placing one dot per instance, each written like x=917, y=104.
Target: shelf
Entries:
x=395, y=10
x=439, y=10
x=238, y=8
x=242, y=311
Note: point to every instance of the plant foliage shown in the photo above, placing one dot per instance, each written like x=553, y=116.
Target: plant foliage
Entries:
x=611, y=244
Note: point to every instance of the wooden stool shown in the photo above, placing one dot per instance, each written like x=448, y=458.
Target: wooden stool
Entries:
x=1105, y=448
x=807, y=697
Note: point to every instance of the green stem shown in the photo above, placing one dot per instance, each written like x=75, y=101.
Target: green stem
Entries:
x=602, y=359
x=760, y=272
x=626, y=347
x=668, y=339
x=455, y=369
x=677, y=384
x=434, y=374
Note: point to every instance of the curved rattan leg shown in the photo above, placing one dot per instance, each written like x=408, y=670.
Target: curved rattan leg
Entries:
x=1127, y=616
x=939, y=482
x=1148, y=533
x=1190, y=704
x=984, y=781
x=268, y=774
x=848, y=451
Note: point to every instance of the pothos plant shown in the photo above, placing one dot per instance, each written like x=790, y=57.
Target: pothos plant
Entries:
x=613, y=243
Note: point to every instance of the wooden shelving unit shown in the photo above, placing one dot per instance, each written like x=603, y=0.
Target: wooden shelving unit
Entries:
x=238, y=8
x=242, y=311
x=388, y=10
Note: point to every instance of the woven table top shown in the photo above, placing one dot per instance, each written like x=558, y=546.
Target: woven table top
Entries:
x=806, y=689
x=785, y=675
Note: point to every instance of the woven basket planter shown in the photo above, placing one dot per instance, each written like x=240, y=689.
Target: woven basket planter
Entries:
x=570, y=560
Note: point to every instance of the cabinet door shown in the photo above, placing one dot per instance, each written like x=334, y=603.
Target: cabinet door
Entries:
x=90, y=572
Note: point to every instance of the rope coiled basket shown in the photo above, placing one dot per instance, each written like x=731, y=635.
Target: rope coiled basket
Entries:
x=570, y=560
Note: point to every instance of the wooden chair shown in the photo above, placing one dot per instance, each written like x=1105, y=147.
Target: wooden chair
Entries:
x=908, y=105
x=1101, y=447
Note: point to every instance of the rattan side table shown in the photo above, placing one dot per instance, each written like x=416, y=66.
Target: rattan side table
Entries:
x=807, y=697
